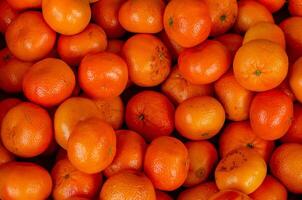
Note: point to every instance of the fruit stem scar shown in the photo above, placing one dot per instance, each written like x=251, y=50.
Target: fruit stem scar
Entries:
x=170, y=21
x=223, y=17
x=250, y=145
x=141, y=117
x=257, y=72
x=66, y=176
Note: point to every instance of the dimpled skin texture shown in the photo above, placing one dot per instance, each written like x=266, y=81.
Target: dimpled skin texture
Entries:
x=69, y=113
x=128, y=185
x=271, y=114
x=267, y=31
x=27, y=42
x=250, y=13
x=223, y=15
x=92, y=145
x=166, y=163
x=240, y=134
x=151, y=114
x=188, y=23
x=205, y=63
x=111, y=111
x=69, y=182
x=203, y=158
x=199, y=118
x=140, y=16
x=66, y=17
x=130, y=152
x=271, y=189
x=242, y=169
x=103, y=75
x=260, y=65
x=105, y=14
x=73, y=48
x=148, y=59
x=286, y=165
x=49, y=82
x=26, y=130
x=23, y=180
x=178, y=89
x=235, y=99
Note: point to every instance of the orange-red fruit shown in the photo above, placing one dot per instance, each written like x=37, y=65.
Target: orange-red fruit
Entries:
x=203, y=158
x=148, y=60
x=223, y=15
x=272, y=5
x=199, y=118
x=295, y=7
x=230, y=195
x=151, y=114
x=105, y=14
x=128, y=185
x=6, y=105
x=140, y=16
x=7, y=15
x=294, y=133
x=92, y=145
x=68, y=17
x=295, y=79
x=73, y=48
x=260, y=65
x=251, y=12
x=70, y=182
x=5, y=155
x=29, y=38
x=23, y=180
x=103, y=75
x=188, y=23
x=178, y=89
x=201, y=192
x=205, y=63
x=271, y=114
x=231, y=41
x=242, y=169
x=12, y=74
x=26, y=130
x=49, y=82
x=267, y=31
x=111, y=111
x=24, y=4
x=166, y=163
x=240, y=134
x=286, y=165
x=130, y=152
x=69, y=114
x=235, y=99
x=270, y=189
x=290, y=27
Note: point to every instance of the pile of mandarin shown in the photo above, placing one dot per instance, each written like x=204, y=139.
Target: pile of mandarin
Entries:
x=151, y=100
